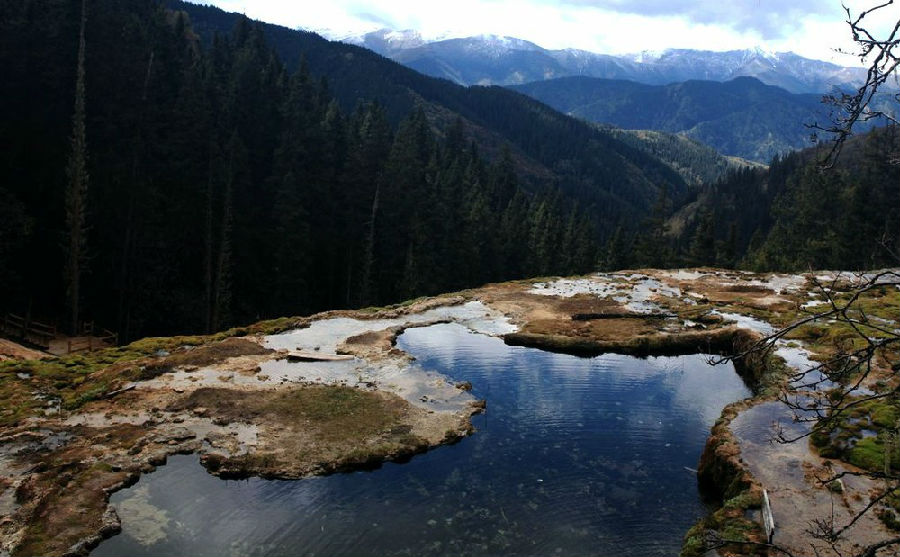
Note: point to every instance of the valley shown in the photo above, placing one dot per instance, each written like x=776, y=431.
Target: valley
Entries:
x=266, y=293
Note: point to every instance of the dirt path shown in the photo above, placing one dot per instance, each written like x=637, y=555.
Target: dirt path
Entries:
x=10, y=350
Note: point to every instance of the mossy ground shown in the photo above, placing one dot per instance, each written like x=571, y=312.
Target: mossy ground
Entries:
x=862, y=433
x=728, y=526
x=28, y=387
x=867, y=436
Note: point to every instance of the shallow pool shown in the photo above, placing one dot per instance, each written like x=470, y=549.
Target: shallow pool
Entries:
x=574, y=456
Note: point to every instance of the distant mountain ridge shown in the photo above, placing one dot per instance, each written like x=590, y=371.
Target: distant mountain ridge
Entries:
x=582, y=161
x=497, y=60
x=742, y=117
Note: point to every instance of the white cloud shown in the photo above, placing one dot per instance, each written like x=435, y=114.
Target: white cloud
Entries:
x=811, y=28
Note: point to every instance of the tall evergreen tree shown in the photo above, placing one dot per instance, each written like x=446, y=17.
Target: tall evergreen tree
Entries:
x=76, y=193
x=703, y=244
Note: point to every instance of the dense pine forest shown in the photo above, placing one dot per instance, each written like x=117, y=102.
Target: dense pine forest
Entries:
x=800, y=212
x=216, y=171
x=222, y=188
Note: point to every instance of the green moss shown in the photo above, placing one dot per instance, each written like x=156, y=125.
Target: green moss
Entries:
x=739, y=529
x=101, y=467
x=883, y=413
x=843, y=437
x=868, y=454
x=694, y=544
x=727, y=523
x=743, y=501
x=889, y=518
x=881, y=302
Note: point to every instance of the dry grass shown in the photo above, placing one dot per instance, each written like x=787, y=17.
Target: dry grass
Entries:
x=209, y=354
x=310, y=429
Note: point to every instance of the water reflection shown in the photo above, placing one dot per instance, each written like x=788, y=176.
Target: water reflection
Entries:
x=574, y=456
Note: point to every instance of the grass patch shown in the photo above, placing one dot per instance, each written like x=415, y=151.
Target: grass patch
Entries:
x=209, y=354
x=310, y=429
x=335, y=413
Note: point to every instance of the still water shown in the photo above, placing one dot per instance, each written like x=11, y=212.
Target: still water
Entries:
x=574, y=456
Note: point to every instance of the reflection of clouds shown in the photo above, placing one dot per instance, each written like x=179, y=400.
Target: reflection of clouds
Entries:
x=705, y=389
x=573, y=453
x=146, y=523
x=652, y=399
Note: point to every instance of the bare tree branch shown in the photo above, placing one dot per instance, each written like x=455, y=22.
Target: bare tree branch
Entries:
x=880, y=55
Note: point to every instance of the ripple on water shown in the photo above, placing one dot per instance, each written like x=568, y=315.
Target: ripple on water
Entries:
x=576, y=456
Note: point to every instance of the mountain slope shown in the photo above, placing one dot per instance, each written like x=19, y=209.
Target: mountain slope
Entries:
x=794, y=215
x=697, y=163
x=496, y=60
x=742, y=117
x=587, y=163
x=225, y=186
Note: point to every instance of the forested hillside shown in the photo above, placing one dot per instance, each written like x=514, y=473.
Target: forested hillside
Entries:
x=583, y=162
x=236, y=171
x=795, y=215
x=223, y=187
x=695, y=162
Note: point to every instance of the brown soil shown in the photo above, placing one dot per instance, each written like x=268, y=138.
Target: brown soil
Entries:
x=317, y=429
x=212, y=353
x=608, y=330
x=10, y=350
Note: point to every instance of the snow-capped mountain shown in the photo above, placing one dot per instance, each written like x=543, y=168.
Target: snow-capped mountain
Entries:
x=384, y=41
x=496, y=60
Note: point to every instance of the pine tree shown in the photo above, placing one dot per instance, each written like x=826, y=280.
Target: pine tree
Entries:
x=703, y=243
x=652, y=247
x=618, y=253
x=76, y=193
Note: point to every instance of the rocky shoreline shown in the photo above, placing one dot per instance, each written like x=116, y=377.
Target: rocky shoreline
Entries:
x=306, y=396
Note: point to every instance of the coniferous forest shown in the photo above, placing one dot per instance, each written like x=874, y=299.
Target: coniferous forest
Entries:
x=224, y=181
x=223, y=188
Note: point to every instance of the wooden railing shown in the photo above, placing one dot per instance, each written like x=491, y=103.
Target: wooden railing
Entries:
x=40, y=334
x=91, y=342
x=110, y=338
x=34, y=332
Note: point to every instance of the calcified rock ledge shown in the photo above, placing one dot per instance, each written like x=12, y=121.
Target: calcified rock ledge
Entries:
x=335, y=386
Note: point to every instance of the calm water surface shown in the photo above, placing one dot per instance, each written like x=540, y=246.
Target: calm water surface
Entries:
x=574, y=456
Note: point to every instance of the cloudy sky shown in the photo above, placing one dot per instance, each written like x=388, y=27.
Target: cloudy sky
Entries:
x=812, y=28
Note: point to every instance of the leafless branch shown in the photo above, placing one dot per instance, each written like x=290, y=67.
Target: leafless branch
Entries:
x=827, y=393
x=880, y=55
